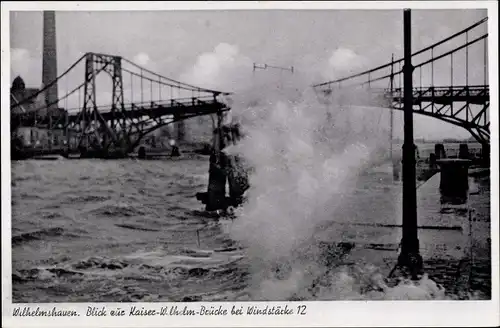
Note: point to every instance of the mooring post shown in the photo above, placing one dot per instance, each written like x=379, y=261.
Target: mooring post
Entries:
x=439, y=151
x=432, y=160
x=410, y=255
x=141, y=154
x=454, y=184
x=463, y=151
x=485, y=154
x=216, y=193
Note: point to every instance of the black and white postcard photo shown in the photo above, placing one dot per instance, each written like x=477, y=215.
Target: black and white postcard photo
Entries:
x=217, y=164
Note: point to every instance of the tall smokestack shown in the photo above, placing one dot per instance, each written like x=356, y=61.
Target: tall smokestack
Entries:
x=49, y=70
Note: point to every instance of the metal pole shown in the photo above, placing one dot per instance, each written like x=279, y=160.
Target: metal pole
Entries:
x=49, y=131
x=66, y=128
x=391, y=122
x=485, y=62
x=410, y=256
x=159, y=89
x=142, y=90
x=467, y=62
x=451, y=58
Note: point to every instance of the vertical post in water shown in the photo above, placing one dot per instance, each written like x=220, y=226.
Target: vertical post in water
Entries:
x=410, y=255
x=217, y=177
x=66, y=129
x=391, y=118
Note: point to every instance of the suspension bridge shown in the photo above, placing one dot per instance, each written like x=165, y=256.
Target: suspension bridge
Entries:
x=120, y=102
x=116, y=105
x=465, y=104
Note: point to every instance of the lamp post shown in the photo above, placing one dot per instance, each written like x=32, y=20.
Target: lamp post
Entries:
x=410, y=256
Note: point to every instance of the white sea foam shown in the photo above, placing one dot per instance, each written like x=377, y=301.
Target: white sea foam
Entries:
x=305, y=158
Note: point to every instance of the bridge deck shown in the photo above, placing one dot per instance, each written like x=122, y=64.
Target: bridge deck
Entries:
x=477, y=95
x=182, y=108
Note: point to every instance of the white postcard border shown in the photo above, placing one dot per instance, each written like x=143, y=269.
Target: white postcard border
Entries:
x=333, y=313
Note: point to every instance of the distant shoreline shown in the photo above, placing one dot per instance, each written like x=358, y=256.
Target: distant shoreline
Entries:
x=444, y=141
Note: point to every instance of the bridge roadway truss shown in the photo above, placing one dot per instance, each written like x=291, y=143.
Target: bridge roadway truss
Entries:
x=465, y=105
x=119, y=126
x=441, y=103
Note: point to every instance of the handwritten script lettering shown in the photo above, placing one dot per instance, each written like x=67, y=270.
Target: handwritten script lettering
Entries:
x=274, y=310
x=162, y=311
x=37, y=312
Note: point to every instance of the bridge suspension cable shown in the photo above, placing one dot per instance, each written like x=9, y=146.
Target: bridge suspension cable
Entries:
x=66, y=96
x=174, y=82
x=45, y=87
x=431, y=100
x=400, y=71
x=400, y=60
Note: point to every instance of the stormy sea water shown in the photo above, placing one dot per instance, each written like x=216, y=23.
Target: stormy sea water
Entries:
x=130, y=230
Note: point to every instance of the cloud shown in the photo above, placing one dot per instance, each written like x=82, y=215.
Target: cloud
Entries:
x=23, y=64
x=142, y=59
x=343, y=58
x=342, y=62
x=224, y=68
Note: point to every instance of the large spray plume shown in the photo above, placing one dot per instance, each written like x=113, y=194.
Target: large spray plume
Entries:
x=305, y=154
x=305, y=158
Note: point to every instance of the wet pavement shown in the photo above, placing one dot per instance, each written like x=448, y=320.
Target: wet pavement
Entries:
x=454, y=239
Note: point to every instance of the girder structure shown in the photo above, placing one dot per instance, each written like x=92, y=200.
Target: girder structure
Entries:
x=452, y=105
x=465, y=105
x=149, y=101
x=90, y=127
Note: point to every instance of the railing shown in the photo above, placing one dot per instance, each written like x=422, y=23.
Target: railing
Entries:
x=178, y=102
x=472, y=92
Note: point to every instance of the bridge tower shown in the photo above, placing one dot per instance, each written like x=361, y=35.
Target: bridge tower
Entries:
x=49, y=69
x=95, y=134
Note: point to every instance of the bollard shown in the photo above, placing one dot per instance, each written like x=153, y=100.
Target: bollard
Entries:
x=141, y=154
x=454, y=184
x=485, y=155
x=216, y=193
x=83, y=151
x=463, y=152
x=432, y=160
x=175, y=151
x=439, y=151
x=224, y=167
x=215, y=197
